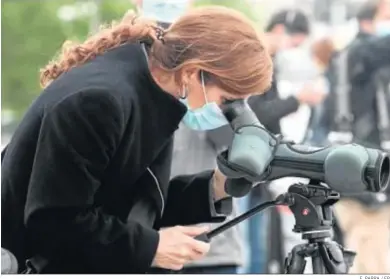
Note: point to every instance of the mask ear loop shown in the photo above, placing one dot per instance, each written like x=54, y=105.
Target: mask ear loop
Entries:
x=184, y=94
x=203, y=86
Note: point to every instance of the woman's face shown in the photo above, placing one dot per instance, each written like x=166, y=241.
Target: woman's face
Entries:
x=200, y=93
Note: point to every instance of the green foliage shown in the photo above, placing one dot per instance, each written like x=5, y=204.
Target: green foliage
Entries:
x=32, y=33
x=114, y=10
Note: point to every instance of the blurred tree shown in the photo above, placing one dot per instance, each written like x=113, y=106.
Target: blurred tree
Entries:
x=251, y=10
x=114, y=10
x=32, y=33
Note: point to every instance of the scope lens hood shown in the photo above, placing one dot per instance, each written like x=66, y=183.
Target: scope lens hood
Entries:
x=382, y=174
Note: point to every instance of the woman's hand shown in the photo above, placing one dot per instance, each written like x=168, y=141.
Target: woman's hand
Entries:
x=219, y=185
x=275, y=42
x=310, y=95
x=177, y=247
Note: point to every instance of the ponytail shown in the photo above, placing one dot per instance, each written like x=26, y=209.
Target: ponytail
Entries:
x=73, y=54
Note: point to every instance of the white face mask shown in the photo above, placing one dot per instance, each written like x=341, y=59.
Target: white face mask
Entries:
x=164, y=10
x=382, y=28
x=207, y=117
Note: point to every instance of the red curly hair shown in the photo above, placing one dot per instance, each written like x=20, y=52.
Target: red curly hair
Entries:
x=218, y=40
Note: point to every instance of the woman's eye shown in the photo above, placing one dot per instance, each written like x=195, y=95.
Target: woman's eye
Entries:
x=227, y=100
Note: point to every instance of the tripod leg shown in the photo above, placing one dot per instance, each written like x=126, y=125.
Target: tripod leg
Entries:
x=333, y=255
x=295, y=263
x=318, y=266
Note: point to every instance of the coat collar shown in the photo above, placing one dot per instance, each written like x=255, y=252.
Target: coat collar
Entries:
x=156, y=105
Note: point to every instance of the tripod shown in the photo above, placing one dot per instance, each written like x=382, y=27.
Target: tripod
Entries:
x=312, y=210
x=311, y=206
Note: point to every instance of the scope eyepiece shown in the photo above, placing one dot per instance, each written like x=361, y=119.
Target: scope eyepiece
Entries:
x=233, y=109
x=379, y=175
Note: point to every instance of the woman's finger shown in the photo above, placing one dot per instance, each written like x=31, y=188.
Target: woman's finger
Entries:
x=193, y=230
x=199, y=246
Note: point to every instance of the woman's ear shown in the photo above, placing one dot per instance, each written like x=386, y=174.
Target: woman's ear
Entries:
x=161, y=76
x=166, y=81
x=189, y=74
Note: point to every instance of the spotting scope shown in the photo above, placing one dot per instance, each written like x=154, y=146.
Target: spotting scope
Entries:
x=256, y=155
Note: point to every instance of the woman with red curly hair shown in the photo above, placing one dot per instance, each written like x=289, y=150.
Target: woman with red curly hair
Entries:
x=85, y=179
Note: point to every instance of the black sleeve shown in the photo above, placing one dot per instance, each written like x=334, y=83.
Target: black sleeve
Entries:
x=190, y=201
x=326, y=119
x=271, y=111
x=77, y=140
x=368, y=57
x=377, y=54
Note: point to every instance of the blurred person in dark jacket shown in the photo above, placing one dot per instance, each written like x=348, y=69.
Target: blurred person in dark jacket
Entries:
x=364, y=218
x=363, y=59
x=86, y=177
x=366, y=27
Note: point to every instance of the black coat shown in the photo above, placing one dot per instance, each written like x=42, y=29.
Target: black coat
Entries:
x=330, y=106
x=367, y=54
x=85, y=178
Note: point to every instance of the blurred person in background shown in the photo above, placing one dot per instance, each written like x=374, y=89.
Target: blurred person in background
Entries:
x=86, y=174
x=367, y=17
x=165, y=12
x=366, y=28
x=193, y=152
x=323, y=51
x=286, y=29
x=365, y=218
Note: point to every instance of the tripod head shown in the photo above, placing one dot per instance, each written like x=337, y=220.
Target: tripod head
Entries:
x=312, y=208
x=311, y=205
